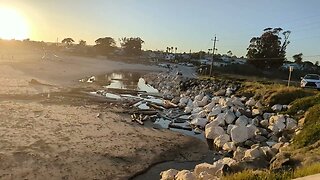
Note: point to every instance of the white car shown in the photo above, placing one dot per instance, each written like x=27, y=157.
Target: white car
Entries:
x=310, y=81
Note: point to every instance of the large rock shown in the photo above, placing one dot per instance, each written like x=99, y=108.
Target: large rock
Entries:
x=216, y=110
x=291, y=124
x=205, y=167
x=222, y=101
x=237, y=102
x=258, y=105
x=199, y=97
x=268, y=153
x=229, y=146
x=277, y=107
x=230, y=126
x=267, y=115
x=229, y=117
x=253, y=153
x=242, y=121
x=221, y=140
x=281, y=161
x=209, y=106
x=211, y=132
x=238, y=154
x=239, y=134
x=277, y=123
x=200, y=122
x=202, y=114
x=256, y=112
x=251, y=130
x=251, y=102
x=169, y=174
x=215, y=99
x=185, y=175
x=264, y=123
x=183, y=101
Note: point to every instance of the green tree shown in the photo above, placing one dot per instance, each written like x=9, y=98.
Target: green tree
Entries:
x=297, y=58
x=67, y=41
x=131, y=46
x=82, y=43
x=105, y=45
x=268, y=50
x=317, y=63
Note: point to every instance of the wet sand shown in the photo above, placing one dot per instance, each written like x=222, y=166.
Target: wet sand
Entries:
x=48, y=132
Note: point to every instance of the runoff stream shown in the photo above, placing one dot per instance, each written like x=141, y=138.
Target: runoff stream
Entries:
x=134, y=81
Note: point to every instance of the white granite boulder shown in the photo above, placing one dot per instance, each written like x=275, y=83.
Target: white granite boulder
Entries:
x=200, y=122
x=169, y=174
x=211, y=132
x=229, y=146
x=242, y=121
x=229, y=117
x=185, y=175
x=291, y=124
x=221, y=140
x=239, y=134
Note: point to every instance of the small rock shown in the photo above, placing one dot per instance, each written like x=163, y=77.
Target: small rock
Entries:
x=169, y=174
x=256, y=112
x=277, y=107
x=251, y=102
x=271, y=143
x=264, y=123
x=221, y=92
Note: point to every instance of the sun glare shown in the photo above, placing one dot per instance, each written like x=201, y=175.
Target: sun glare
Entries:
x=12, y=25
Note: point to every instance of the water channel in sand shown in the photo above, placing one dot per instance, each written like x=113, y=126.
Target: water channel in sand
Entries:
x=135, y=81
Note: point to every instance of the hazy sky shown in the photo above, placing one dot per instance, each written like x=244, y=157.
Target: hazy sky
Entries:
x=186, y=24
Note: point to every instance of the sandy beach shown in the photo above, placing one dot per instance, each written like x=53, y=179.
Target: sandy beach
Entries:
x=47, y=132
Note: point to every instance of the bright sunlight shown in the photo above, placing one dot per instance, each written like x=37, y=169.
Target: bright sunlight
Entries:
x=13, y=25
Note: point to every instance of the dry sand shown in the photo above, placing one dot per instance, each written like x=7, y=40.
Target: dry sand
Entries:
x=60, y=136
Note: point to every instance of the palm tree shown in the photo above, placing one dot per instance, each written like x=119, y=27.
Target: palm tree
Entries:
x=175, y=50
x=171, y=49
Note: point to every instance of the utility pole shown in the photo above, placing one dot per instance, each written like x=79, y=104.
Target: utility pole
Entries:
x=214, y=48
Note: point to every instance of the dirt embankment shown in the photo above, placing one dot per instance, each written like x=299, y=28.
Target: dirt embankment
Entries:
x=48, y=135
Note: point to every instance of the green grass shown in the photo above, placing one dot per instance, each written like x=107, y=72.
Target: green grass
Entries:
x=310, y=133
x=272, y=94
x=303, y=104
x=268, y=175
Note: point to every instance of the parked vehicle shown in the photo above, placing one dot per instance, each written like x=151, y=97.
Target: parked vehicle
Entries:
x=310, y=81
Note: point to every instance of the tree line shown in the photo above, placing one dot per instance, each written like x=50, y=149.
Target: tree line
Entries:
x=107, y=45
